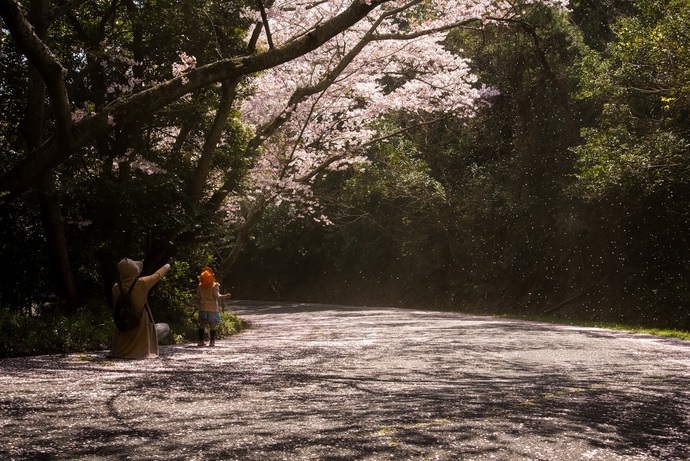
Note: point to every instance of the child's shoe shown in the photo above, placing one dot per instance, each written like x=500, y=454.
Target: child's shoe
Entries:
x=201, y=344
x=212, y=343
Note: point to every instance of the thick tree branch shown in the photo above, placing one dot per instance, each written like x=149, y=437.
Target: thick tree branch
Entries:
x=45, y=62
x=251, y=46
x=220, y=121
x=24, y=175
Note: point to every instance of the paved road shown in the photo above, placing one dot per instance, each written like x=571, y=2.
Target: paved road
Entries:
x=310, y=382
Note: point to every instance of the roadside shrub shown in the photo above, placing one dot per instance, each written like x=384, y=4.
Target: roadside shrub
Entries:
x=54, y=333
x=230, y=325
x=87, y=330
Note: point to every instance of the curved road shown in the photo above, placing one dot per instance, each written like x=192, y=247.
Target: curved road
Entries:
x=315, y=382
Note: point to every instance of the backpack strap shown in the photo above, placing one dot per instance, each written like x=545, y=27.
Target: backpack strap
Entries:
x=131, y=287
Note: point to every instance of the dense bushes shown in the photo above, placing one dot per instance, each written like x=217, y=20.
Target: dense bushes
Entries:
x=90, y=329
x=53, y=333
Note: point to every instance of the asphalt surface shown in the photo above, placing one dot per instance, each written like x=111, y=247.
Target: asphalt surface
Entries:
x=314, y=382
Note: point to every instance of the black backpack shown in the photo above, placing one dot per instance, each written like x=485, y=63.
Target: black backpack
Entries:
x=125, y=313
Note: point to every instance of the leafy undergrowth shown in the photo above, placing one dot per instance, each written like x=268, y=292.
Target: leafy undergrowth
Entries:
x=86, y=330
x=186, y=331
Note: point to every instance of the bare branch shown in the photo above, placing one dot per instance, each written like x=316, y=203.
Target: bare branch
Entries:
x=264, y=18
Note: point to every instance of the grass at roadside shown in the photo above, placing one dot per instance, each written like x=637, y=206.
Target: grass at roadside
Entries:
x=667, y=333
x=563, y=320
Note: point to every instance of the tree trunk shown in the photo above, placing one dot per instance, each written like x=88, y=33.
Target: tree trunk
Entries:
x=53, y=221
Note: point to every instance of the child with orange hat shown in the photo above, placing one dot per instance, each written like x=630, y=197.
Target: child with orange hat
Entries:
x=208, y=294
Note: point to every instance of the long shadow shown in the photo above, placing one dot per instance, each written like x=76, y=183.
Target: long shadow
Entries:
x=427, y=414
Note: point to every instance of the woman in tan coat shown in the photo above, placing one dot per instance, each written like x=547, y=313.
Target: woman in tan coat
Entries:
x=142, y=341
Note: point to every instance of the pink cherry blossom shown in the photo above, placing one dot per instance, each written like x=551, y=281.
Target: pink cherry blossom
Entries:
x=327, y=129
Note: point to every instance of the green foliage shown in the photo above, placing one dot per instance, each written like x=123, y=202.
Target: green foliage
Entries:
x=128, y=194
x=667, y=333
x=55, y=333
x=509, y=165
x=230, y=325
x=172, y=297
x=633, y=165
x=614, y=158
x=173, y=301
x=184, y=330
x=640, y=142
x=596, y=19
x=27, y=280
x=13, y=76
x=462, y=209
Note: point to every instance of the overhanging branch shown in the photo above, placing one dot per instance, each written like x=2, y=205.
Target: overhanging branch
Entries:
x=25, y=174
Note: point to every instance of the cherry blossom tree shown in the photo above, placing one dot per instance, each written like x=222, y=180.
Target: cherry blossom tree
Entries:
x=308, y=83
x=70, y=136
x=316, y=113
x=332, y=28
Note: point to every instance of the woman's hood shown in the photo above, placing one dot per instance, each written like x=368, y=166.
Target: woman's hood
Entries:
x=129, y=269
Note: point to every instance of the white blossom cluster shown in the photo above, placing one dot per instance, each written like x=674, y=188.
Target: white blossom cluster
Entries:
x=402, y=66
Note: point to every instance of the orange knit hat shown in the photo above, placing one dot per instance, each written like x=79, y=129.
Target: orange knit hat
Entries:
x=206, y=278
